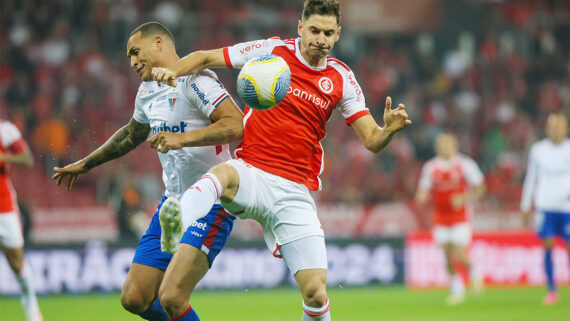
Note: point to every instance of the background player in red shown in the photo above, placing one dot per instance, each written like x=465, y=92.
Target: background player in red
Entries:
x=452, y=180
x=14, y=150
x=281, y=158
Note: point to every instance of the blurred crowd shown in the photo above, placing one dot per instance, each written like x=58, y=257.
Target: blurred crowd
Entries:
x=66, y=83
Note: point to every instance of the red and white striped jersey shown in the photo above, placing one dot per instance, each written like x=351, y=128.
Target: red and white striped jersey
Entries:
x=445, y=179
x=286, y=139
x=11, y=142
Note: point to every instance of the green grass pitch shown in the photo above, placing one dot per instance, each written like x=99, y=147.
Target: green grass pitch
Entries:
x=347, y=304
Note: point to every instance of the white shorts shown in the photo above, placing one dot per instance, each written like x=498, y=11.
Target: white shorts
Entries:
x=285, y=209
x=307, y=253
x=11, y=230
x=458, y=234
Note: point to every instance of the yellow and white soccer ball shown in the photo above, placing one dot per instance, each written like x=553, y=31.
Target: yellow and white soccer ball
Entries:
x=263, y=81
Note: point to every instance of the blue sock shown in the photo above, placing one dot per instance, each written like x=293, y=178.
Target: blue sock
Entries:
x=549, y=268
x=189, y=315
x=155, y=313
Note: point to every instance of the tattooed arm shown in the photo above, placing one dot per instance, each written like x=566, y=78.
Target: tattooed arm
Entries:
x=227, y=126
x=123, y=141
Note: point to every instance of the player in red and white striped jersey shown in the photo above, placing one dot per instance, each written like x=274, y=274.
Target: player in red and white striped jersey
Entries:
x=14, y=150
x=281, y=157
x=453, y=180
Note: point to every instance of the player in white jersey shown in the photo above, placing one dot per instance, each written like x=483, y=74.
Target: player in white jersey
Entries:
x=200, y=109
x=14, y=150
x=280, y=157
x=547, y=185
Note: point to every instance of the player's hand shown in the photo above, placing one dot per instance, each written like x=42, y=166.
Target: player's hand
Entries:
x=164, y=75
x=395, y=119
x=72, y=171
x=458, y=201
x=165, y=141
x=526, y=219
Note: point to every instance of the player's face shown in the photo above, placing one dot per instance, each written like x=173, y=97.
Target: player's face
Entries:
x=318, y=35
x=142, y=52
x=556, y=128
x=446, y=146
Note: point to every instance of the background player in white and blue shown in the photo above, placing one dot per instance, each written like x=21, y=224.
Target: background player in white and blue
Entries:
x=201, y=109
x=547, y=185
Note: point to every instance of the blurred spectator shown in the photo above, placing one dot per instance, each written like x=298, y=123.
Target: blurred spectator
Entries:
x=62, y=78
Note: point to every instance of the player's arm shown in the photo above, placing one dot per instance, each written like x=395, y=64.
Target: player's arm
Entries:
x=123, y=141
x=190, y=64
x=374, y=137
x=226, y=127
x=424, y=185
x=24, y=158
x=529, y=184
x=422, y=196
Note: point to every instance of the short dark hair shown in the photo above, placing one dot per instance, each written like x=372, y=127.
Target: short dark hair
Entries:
x=322, y=7
x=153, y=28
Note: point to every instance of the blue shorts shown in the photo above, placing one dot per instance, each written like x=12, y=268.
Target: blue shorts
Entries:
x=208, y=234
x=550, y=224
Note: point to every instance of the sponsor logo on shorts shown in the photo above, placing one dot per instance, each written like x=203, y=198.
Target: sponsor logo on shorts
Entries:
x=200, y=225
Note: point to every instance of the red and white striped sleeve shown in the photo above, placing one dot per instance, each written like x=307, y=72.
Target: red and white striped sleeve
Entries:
x=352, y=104
x=12, y=140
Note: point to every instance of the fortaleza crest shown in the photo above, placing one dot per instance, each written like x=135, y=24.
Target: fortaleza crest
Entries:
x=171, y=99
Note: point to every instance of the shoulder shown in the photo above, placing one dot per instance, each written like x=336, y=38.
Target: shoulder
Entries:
x=7, y=126
x=468, y=162
x=145, y=88
x=277, y=42
x=349, y=79
x=539, y=145
x=203, y=75
x=464, y=158
x=338, y=65
x=430, y=164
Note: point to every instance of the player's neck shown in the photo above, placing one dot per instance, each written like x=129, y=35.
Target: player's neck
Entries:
x=312, y=60
x=558, y=141
x=169, y=60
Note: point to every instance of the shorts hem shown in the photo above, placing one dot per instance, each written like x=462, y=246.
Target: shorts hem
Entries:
x=151, y=263
x=298, y=237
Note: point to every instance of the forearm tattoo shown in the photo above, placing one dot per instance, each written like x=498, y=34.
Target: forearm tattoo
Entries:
x=123, y=141
x=219, y=136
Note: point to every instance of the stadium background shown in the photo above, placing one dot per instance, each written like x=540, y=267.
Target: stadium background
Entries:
x=488, y=70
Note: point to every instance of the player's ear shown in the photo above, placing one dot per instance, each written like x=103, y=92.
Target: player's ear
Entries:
x=338, y=33
x=158, y=43
x=300, y=28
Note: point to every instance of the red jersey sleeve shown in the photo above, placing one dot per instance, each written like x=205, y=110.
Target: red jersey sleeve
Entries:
x=352, y=104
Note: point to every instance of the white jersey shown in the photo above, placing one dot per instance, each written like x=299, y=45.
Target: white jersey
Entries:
x=548, y=177
x=180, y=109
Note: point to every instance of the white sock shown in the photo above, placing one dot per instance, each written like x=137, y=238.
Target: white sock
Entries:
x=457, y=285
x=475, y=274
x=199, y=198
x=28, y=296
x=317, y=314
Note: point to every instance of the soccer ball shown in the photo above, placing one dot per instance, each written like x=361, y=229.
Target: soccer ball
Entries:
x=263, y=81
